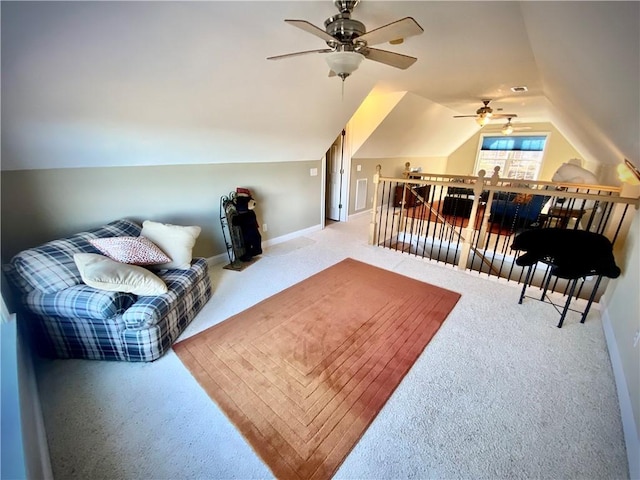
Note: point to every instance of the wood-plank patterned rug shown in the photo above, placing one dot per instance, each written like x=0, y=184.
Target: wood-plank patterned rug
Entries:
x=303, y=373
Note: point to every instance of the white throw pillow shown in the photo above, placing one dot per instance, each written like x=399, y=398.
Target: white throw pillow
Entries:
x=174, y=240
x=133, y=250
x=102, y=273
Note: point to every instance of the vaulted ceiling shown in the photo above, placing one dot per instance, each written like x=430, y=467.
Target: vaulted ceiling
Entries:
x=144, y=83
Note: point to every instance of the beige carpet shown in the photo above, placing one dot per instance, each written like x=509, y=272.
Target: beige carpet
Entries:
x=303, y=373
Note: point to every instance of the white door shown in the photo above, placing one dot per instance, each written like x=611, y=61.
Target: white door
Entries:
x=333, y=188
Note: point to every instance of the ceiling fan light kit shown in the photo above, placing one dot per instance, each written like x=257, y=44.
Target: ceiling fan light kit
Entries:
x=483, y=119
x=507, y=129
x=344, y=64
x=349, y=42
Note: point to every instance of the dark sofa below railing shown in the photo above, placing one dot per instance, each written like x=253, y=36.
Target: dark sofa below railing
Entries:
x=517, y=209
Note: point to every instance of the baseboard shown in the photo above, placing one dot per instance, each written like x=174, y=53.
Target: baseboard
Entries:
x=217, y=259
x=223, y=257
x=626, y=411
x=360, y=213
x=291, y=236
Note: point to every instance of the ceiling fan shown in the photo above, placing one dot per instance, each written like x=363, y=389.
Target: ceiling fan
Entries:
x=485, y=114
x=349, y=43
x=508, y=128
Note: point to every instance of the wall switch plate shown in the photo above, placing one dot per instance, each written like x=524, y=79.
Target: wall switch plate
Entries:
x=264, y=227
x=359, y=168
x=313, y=172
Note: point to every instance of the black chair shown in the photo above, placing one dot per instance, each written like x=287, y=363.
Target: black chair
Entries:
x=571, y=255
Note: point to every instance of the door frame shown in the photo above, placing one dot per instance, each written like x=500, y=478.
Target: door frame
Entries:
x=323, y=192
x=346, y=179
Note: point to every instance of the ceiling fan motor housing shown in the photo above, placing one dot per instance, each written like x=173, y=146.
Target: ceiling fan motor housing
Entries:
x=344, y=28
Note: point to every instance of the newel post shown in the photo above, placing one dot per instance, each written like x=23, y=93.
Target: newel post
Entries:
x=468, y=235
x=407, y=170
x=402, y=220
x=493, y=181
x=373, y=226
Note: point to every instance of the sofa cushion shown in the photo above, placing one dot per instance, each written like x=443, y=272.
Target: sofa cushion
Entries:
x=80, y=301
x=50, y=267
x=133, y=250
x=174, y=240
x=103, y=273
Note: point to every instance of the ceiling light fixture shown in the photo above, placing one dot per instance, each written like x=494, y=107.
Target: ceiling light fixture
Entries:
x=507, y=128
x=344, y=63
x=483, y=119
x=628, y=173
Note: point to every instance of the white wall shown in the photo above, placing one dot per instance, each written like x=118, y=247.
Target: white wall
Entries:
x=622, y=316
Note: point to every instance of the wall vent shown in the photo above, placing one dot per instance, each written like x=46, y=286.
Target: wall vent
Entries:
x=361, y=194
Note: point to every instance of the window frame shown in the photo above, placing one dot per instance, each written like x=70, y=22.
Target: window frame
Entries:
x=502, y=171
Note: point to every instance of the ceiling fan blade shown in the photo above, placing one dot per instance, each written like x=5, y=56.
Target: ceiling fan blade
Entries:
x=312, y=29
x=287, y=55
x=390, y=58
x=406, y=27
x=465, y=116
x=503, y=115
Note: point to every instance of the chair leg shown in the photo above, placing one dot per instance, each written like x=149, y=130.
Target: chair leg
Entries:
x=526, y=282
x=566, y=305
x=547, y=281
x=593, y=295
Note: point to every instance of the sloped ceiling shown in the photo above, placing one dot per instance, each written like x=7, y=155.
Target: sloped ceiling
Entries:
x=416, y=127
x=588, y=56
x=141, y=83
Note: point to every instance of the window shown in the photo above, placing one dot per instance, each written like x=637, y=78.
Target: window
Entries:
x=518, y=157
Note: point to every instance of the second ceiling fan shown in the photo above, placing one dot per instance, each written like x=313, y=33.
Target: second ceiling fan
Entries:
x=508, y=128
x=485, y=114
x=349, y=43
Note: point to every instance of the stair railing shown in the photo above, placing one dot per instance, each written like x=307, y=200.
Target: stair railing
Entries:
x=482, y=240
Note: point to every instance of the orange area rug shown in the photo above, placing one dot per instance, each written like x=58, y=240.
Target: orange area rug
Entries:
x=303, y=373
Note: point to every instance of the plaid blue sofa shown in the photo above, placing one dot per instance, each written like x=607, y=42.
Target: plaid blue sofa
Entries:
x=69, y=319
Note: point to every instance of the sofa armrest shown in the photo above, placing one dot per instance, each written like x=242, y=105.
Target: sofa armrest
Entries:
x=149, y=310
x=79, y=301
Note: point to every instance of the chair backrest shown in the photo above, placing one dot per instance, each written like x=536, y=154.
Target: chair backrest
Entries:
x=573, y=253
x=50, y=267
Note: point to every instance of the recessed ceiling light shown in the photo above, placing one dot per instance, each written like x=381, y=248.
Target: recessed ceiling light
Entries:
x=519, y=89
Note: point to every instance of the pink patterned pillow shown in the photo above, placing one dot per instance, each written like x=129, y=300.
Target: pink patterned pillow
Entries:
x=132, y=250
